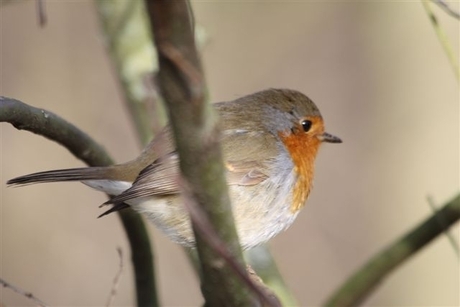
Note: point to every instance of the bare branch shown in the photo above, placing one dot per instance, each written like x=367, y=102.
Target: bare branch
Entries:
x=182, y=85
x=116, y=280
x=361, y=284
x=261, y=260
x=443, y=39
x=449, y=236
x=128, y=43
x=193, y=76
x=126, y=47
x=53, y=127
x=41, y=12
x=442, y=4
x=18, y=290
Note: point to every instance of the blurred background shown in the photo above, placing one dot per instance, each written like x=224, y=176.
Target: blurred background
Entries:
x=376, y=71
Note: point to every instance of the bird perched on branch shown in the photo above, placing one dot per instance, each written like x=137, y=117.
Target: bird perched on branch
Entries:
x=270, y=140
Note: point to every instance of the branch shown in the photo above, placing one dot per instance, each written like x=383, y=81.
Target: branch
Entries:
x=449, y=236
x=358, y=286
x=41, y=12
x=128, y=43
x=23, y=293
x=182, y=86
x=53, y=127
x=442, y=4
x=116, y=280
x=132, y=57
x=443, y=39
x=208, y=234
x=261, y=260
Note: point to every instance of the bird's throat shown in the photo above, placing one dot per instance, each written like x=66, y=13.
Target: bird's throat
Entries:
x=302, y=149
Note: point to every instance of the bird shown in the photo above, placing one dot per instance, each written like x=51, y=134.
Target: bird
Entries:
x=269, y=140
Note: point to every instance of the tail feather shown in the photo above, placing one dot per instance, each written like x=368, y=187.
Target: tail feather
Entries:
x=73, y=174
x=115, y=208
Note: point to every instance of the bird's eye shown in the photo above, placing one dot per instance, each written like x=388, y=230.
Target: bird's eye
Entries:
x=306, y=125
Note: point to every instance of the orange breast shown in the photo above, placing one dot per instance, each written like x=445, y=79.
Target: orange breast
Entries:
x=303, y=148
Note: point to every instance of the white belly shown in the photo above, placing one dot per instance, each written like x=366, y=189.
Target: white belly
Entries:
x=110, y=187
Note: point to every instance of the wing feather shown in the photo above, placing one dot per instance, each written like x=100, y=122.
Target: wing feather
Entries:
x=248, y=155
x=157, y=179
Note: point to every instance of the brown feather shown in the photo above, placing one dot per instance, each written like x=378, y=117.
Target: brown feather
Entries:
x=159, y=178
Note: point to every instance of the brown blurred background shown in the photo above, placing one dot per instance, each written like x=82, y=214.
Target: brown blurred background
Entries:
x=380, y=78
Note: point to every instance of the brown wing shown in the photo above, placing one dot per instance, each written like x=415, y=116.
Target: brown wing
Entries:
x=244, y=173
x=248, y=146
x=247, y=150
x=247, y=156
x=158, y=178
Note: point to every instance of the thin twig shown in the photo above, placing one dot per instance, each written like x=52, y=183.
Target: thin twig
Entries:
x=29, y=295
x=116, y=280
x=442, y=4
x=449, y=236
x=443, y=39
x=41, y=11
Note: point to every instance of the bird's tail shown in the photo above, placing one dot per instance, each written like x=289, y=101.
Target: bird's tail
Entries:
x=72, y=174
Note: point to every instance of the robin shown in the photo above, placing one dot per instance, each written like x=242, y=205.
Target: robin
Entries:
x=269, y=139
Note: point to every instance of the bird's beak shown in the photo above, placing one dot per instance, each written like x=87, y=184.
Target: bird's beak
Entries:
x=329, y=138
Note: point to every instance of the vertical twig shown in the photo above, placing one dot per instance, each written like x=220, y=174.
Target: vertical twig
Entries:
x=182, y=86
x=128, y=44
x=116, y=279
x=132, y=56
x=41, y=12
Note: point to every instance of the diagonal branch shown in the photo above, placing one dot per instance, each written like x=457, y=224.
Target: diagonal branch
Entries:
x=443, y=39
x=29, y=295
x=361, y=284
x=449, y=236
x=443, y=4
x=53, y=127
